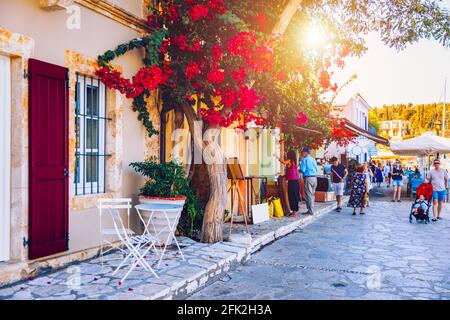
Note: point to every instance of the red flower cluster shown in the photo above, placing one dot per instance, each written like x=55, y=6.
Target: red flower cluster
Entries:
x=261, y=21
x=301, y=119
x=229, y=97
x=173, y=14
x=150, y=78
x=240, y=105
x=198, y=12
x=182, y=42
x=239, y=75
x=239, y=44
x=217, y=6
x=258, y=58
x=215, y=75
x=192, y=70
x=324, y=80
x=113, y=79
x=146, y=78
x=340, y=134
x=216, y=52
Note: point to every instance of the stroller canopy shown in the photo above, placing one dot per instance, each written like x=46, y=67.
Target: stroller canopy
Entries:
x=425, y=189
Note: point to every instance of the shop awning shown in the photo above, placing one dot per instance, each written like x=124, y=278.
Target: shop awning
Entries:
x=361, y=132
x=427, y=144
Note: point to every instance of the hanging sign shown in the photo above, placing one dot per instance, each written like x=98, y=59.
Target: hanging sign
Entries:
x=356, y=150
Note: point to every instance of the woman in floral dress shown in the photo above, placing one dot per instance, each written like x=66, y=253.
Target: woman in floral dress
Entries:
x=359, y=187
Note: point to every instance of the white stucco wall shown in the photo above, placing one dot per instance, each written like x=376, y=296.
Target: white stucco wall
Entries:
x=97, y=34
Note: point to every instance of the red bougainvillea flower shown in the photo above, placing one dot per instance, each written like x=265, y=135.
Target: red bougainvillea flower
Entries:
x=215, y=75
x=217, y=6
x=229, y=97
x=198, y=12
x=239, y=75
x=324, y=80
x=192, y=70
x=281, y=76
x=181, y=42
x=248, y=98
x=345, y=51
x=240, y=43
x=173, y=14
x=261, y=21
x=149, y=78
x=301, y=119
x=195, y=47
x=216, y=52
x=259, y=59
x=334, y=87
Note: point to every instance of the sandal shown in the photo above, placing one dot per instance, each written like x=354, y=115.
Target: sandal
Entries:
x=434, y=220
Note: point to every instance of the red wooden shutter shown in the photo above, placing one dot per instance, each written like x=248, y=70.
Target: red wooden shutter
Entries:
x=49, y=159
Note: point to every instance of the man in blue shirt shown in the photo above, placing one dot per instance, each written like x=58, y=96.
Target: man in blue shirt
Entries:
x=308, y=167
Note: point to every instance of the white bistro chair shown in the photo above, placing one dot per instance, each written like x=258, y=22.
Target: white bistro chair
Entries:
x=136, y=247
x=107, y=231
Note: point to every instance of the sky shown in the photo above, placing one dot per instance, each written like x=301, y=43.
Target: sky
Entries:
x=387, y=76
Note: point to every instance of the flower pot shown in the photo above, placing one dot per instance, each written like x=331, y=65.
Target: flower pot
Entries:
x=160, y=229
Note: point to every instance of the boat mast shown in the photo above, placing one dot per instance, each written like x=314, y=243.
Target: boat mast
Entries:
x=443, y=109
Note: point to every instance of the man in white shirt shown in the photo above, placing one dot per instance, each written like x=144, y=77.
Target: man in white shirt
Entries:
x=438, y=178
x=387, y=171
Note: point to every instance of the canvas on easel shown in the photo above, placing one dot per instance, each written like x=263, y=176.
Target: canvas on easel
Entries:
x=235, y=173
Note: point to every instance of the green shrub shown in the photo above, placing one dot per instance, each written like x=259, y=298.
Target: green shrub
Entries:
x=170, y=180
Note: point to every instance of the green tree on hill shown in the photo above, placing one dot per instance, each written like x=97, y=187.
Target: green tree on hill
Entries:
x=423, y=117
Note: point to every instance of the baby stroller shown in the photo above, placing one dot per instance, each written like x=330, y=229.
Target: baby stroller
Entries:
x=417, y=210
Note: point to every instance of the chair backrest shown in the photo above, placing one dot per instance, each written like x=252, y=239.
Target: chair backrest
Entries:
x=112, y=207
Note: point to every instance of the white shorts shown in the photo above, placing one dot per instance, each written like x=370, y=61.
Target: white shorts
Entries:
x=338, y=188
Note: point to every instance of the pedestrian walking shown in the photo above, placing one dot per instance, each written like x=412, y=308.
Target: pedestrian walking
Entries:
x=308, y=167
x=387, y=173
x=397, y=181
x=372, y=170
x=379, y=175
x=338, y=174
x=369, y=177
x=359, y=191
x=438, y=178
x=292, y=176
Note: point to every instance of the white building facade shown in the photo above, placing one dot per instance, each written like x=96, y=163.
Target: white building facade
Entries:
x=395, y=129
x=355, y=111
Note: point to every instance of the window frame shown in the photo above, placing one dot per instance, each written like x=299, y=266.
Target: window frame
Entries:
x=82, y=185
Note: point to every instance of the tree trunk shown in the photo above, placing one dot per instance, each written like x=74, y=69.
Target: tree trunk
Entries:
x=286, y=17
x=212, y=230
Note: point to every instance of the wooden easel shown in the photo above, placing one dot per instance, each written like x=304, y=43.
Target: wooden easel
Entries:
x=235, y=174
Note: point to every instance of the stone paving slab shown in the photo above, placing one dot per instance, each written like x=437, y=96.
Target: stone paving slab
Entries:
x=379, y=255
x=204, y=264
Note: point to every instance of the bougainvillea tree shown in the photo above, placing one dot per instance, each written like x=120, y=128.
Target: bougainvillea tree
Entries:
x=232, y=62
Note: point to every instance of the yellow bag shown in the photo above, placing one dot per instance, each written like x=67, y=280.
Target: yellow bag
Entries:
x=271, y=209
x=278, y=209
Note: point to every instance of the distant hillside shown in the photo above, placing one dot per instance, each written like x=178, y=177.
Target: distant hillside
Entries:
x=423, y=117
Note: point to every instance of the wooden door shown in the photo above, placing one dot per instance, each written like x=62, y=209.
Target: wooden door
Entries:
x=48, y=139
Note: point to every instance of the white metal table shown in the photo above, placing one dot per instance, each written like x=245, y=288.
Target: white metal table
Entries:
x=149, y=210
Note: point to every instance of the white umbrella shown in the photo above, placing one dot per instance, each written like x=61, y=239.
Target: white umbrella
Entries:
x=427, y=144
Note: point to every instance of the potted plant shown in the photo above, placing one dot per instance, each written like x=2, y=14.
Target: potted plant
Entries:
x=168, y=183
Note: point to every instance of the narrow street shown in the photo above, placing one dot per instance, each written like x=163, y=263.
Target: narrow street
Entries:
x=376, y=256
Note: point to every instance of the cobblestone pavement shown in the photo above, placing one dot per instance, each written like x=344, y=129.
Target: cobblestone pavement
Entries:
x=376, y=256
x=204, y=264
